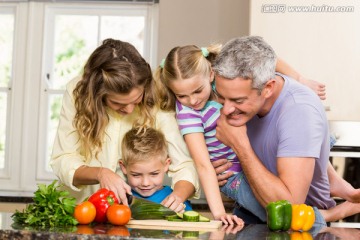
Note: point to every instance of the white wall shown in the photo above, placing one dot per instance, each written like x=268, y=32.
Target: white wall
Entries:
x=200, y=22
x=324, y=46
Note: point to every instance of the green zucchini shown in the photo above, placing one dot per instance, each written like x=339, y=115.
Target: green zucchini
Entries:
x=143, y=209
x=173, y=218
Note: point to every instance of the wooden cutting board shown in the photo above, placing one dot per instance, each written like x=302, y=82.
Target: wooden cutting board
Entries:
x=170, y=225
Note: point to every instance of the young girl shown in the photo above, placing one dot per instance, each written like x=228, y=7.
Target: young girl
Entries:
x=185, y=83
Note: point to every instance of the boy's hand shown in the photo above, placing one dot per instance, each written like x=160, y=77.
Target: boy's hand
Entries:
x=174, y=203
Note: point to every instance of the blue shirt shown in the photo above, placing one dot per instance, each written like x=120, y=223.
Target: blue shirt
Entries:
x=160, y=195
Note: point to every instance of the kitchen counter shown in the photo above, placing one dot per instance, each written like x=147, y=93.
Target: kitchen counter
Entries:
x=107, y=231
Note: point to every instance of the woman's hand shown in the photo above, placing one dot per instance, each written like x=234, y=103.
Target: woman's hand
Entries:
x=112, y=181
x=174, y=203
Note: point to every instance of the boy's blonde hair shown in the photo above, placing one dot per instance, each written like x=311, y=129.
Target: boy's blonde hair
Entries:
x=143, y=144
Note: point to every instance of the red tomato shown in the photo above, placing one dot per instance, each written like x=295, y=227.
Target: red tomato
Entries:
x=84, y=229
x=118, y=214
x=85, y=212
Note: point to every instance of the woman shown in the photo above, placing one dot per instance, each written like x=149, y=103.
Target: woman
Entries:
x=114, y=93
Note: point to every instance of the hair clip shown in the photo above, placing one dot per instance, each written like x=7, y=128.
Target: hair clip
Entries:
x=162, y=63
x=205, y=52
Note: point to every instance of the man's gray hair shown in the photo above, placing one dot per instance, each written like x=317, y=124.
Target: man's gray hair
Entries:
x=247, y=57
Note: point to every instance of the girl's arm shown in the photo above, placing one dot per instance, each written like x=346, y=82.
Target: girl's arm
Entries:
x=339, y=187
x=284, y=68
x=199, y=152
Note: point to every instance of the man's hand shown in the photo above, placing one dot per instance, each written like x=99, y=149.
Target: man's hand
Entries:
x=231, y=135
x=220, y=167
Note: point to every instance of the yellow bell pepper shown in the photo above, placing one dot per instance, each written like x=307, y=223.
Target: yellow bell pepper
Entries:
x=300, y=236
x=303, y=217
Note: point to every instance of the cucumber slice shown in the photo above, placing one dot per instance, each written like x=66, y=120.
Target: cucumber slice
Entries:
x=191, y=216
x=191, y=234
x=203, y=219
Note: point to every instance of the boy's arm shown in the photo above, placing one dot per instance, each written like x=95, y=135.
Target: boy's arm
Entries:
x=182, y=191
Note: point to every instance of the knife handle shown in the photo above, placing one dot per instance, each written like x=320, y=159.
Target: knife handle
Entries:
x=129, y=198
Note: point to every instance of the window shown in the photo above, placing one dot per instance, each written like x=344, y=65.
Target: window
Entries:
x=7, y=16
x=59, y=37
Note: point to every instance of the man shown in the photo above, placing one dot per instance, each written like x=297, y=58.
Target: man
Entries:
x=276, y=126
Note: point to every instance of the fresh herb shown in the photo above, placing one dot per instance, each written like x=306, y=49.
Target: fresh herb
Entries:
x=51, y=208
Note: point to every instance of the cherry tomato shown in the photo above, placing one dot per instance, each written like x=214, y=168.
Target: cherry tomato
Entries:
x=85, y=212
x=118, y=214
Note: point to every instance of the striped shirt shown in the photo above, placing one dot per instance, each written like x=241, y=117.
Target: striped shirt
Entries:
x=204, y=121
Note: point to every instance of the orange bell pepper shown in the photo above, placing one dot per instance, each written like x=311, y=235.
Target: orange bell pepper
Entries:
x=303, y=217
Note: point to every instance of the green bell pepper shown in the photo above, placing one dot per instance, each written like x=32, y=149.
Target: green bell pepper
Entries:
x=279, y=215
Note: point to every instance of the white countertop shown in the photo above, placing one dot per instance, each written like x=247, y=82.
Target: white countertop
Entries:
x=345, y=224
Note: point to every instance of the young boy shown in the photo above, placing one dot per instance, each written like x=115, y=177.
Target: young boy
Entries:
x=145, y=162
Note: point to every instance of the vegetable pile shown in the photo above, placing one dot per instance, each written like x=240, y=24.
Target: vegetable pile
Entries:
x=102, y=200
x=52, y=207
x=281, y=216
x=101, y=207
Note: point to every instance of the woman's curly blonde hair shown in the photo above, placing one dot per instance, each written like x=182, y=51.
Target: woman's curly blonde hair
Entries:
x=114, y=67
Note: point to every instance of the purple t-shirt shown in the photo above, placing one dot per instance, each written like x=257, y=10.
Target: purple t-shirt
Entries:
x=296, y=126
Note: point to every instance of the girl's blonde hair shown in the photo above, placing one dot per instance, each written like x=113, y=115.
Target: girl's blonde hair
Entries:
x=182, y=63
x=115, y=67
x=143, y=144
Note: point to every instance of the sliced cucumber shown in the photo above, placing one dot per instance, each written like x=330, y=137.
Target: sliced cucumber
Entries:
x=191, y=234
x=191, y=216
x=187, y=216
x=203, y=219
